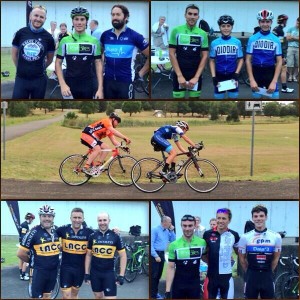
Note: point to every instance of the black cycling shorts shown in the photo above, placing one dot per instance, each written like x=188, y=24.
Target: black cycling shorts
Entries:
x=104, y=282
x=263, y=76
x=259, y=283
x=71, y=276
x=218, y=281
x=43, y=281
x=116, y=90
x=81, y=88
x=183, y=288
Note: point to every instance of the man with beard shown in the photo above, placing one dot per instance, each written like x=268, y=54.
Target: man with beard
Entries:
x=184, y=262
x=119, y=45
x=43, y=244
x=74, y=244
x=188, y=50
x=99, y=260
x=32, y=52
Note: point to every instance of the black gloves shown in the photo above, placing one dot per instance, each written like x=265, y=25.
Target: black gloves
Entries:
x=215, y=81
x=120, y=279
x=87, y=277
x=235, y=76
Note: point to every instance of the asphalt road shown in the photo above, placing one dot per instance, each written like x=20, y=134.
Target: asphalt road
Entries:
x=14, y=288
x=21, y=189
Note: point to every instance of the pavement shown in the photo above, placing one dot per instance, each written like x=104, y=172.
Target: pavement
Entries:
x=14, y=288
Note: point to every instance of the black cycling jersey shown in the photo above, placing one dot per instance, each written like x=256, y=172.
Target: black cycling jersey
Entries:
x=43, y=246
x=33, y=48
x=103, y=247
x=24, y=228
x=278, y=31
x=74, y=246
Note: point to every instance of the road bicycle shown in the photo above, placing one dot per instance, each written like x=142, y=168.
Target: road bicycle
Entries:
x=287, y=283
x=200, y=174
x=118, y=168
x=137, y=260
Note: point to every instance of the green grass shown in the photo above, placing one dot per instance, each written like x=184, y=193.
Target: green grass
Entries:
x=9, y=251
x=276, y=149
x=7, y=65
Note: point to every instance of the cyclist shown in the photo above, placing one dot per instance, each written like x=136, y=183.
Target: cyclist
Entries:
x=99, y=260
x=278, y=31
x=188, y=50
x=263, y=59
x=220, y=242
x=24, y=228
x=184, y=261
x=259, y=252
x=74, y=246
x=91, y=137
x=226, y=58
x=160, y=143
x=119, y=45
x=32, y=52
x=43, y=244
x=80, y=50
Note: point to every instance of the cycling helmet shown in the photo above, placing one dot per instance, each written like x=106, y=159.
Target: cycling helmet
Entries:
x=115, y=116
x=225, y=19
x=46, y=210
x=29, y=216
x=182, y=124
x=265, y=15
x=80, y=11
x=282, y=18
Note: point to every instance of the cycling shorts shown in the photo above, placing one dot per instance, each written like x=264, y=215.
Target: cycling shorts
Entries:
x=71, y=277
x=117, y=89
x=222, y=77
x=34, y=88
x=264, y=76
x=104, y=282
x=218, y=281
x=179, y=92
x=186, y=289
x=43, y=281
x=80, y=88
x=160, y=143
x=89, y=140
x=259, y=282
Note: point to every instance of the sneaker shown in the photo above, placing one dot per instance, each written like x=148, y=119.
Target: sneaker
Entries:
x=88, y=171
x=290, y=79
x=295, y=79
x=25, y=277
x=164, y=175
x=287, y=90
x=159, y=296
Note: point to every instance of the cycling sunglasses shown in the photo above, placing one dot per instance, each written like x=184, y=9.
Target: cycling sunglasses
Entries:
x=188, y=218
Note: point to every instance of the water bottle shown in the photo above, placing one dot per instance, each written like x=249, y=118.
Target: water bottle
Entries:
x=180, y=164
x=140, y=258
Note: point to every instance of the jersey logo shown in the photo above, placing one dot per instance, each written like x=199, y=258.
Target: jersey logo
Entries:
x=261, y=257
x=226, y=49
x=189, y=40
x=74, y=247
x=47, y=249
x=42, y=240
x=103, y=251
x=32, y=50
x=264, y=45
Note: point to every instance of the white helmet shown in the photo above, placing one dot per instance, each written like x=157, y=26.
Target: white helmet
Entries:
x=265, y=15
x=46, y=210
x=182, y=124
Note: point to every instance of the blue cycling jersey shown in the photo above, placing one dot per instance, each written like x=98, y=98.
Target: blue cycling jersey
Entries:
x=264, y=47
x=226, y=51
x=169, y=132
x=119, y=53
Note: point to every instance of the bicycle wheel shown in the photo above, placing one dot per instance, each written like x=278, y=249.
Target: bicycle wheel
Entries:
x=55, y=291
x=290, y=289
x=279, y=281
x=119, y=170
x=145, y=175
x=130, y=272
x=141, y=85
x=204, y=178
x=70, y=170
x=145, y=263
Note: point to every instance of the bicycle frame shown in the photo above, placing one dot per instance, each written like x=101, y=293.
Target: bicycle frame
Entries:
x=137, y=264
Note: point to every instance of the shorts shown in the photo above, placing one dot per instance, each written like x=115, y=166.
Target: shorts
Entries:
x=71, y=276
x=104, y=282
x=184, y=288
x=179, y=92
x=43, y=281
x=116, y=90
x=218, y=281
x=259, y=282
x=81, y=88
x=33, y=88
x=88, y=139
x=161, y=144
x=292, y=57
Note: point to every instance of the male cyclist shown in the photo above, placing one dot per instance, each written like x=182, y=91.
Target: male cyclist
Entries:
x=91, y=137
x=264, y=58
x=278, y=31
x=160, y=142
x=43, y=244
x=226, y=58
x=80, y=50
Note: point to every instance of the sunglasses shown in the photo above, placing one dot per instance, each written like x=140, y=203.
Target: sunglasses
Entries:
x=40, y=7
x=222, y=211
x=188, y=218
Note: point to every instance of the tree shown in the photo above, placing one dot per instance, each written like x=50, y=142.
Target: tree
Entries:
x=199, y=107
x=102, y=106
x=271, y=109
x=89, y=107
x=233, y=115
x=131, y=107
x=214, y=112
x=241, y=109
x=146, y=106
x=183, y=107
x=18, y=109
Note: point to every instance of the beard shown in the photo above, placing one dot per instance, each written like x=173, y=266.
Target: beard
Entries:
x=118, y=24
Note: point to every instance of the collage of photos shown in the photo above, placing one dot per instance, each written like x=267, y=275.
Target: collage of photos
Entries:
x=149, y=149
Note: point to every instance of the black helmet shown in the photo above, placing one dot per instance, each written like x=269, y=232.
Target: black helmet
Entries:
x=29, y=216
x=115, y=116
x=282, y=18
x=225, y=19
x=80, y=11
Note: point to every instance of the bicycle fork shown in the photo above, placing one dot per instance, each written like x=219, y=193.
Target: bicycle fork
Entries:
x=198, y=167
